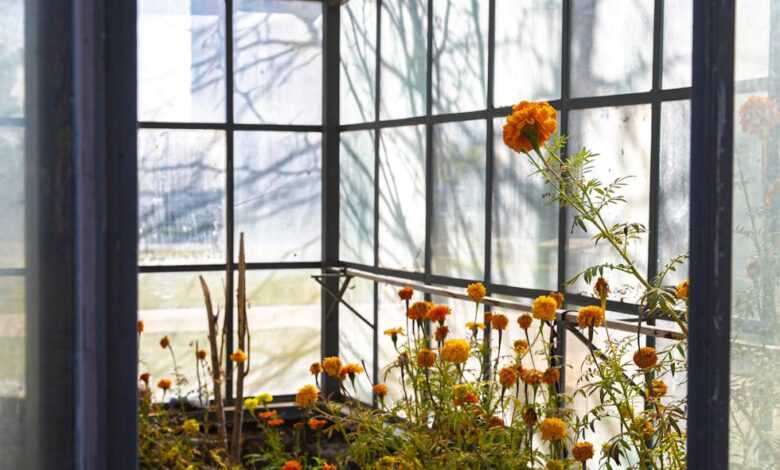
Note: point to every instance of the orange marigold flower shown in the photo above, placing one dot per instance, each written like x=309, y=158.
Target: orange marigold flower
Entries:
x=558, y=298
x=164, y=384
x=426, y=358
x=145, y=378
x=529, y=417
x=590, y=316
x=551, y=376
x=525, y=320
x=380, y=390
x=276, y=422
x=529, y=126
x=474, y=326
x=267, y=414
x=521, y=346
x=438, y=313
x=328, y=466
x=441, y=333
x=759, y=115
x=582, y=451
x=418, y=310
x=462, y=394
x=405, y=293
x=165, y=342
x=553, y=429
x=315, y=368
x=645, y=357
x=139, y=326
x=315, y=424
x=332, y=366
x=455, y=351
x=601, y=288
x=200, y=354
x=507, y=377
x=488, y=317
x=658, y=388
x=306, y=396
x=238, y=356
x=476, y=291
x=496, y=422
x=352, y=370
x=682, y=290
x=499, y=321
x=292, y=465
x=532, y=376
x=544, y=307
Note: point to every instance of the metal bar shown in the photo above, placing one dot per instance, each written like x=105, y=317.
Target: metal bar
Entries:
x=225, y=126
x=712, y=160
x=563, y=107
x=339, y=297
x=377, y=143
x=229, y=200
x=429, y=173
x=183, y=268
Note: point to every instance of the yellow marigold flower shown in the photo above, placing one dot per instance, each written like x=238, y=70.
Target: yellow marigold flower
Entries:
x=418, y=310
x=529, y=417
x=251, y=404
x=525, y=320
x=332, y=366
x=438, y=313
x=426, y=358
x=351, y=370
x=644, y=427
x=658, y=388
x=601, y=288
x=645, y=357
x=544, y=307
x=405, y=293
x=455, y=351
x=553, y=429
x=315, y=368
x=292, y=465
x=499, y=321
x=474, y=326
x=191, y=427
x=164, y=384
x=441, y=333
x=200, y=354
x=306, y=396
x=380, y=390
x=529, y=126
x=139, y=326
x=532, y=376
x=590, y=316
x=165, y=342
x=238, y=356
x=582, y=451
x=558, y=298
x=476, y=291
x=521, y=346
x=507, y=377
x=555, y=465
x=551, y=376
x=315, y=424
x=682, y=290
x=393, y=333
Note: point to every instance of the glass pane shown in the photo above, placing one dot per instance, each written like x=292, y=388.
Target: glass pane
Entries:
x=612, y=46
x=358, y=61
x=356, y=338
x=181, y=60
x=357, y=197
x=402, y=198
x=181, y=197
x=458, y=239
x=460, y=30
x=12, y=344
x=404, y=58
x=755, y=330
x=678, y=43
x=284, y=325
x=11, y=58
x=278, y=61
x=11, y=197
x=621, y=138
x=391, y=314
x=278, y=188
x=171, y=304
x=525, y=225
x=674, y=190
x=528, y=37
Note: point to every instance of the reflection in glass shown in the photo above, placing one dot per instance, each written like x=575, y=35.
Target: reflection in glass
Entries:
x=460, y=30
x=458, y=239
x=612, y=46
x=358, y=61
x=525, y=225
x=674, y=188
x=528, y=45
x=278, y=61
x=678, y=43
x=357, y=197
x=181, y=65
x=621, y=138
x=181, y=196
x=11, y=197
x=278, y=188
x=11, y=59
x=404, y=58
x=402, y=198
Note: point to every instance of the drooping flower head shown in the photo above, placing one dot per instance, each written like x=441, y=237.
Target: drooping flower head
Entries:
x=455, y=351
x=507, y=377
x=418, y=310
x=438, y=313
x=529, y=126
x=332, y=366
x=582, y=451
x=544, y=307
x=601, y=288
x=682, y=290
x=645, y=357
x=553, y=429
x=426, y=358
x=759, y=116
x=590, y=316
x=499, y=321
x=238, y=356
x=405, y=293
x=525, y=320
x=476, y=291
x=306, y=396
